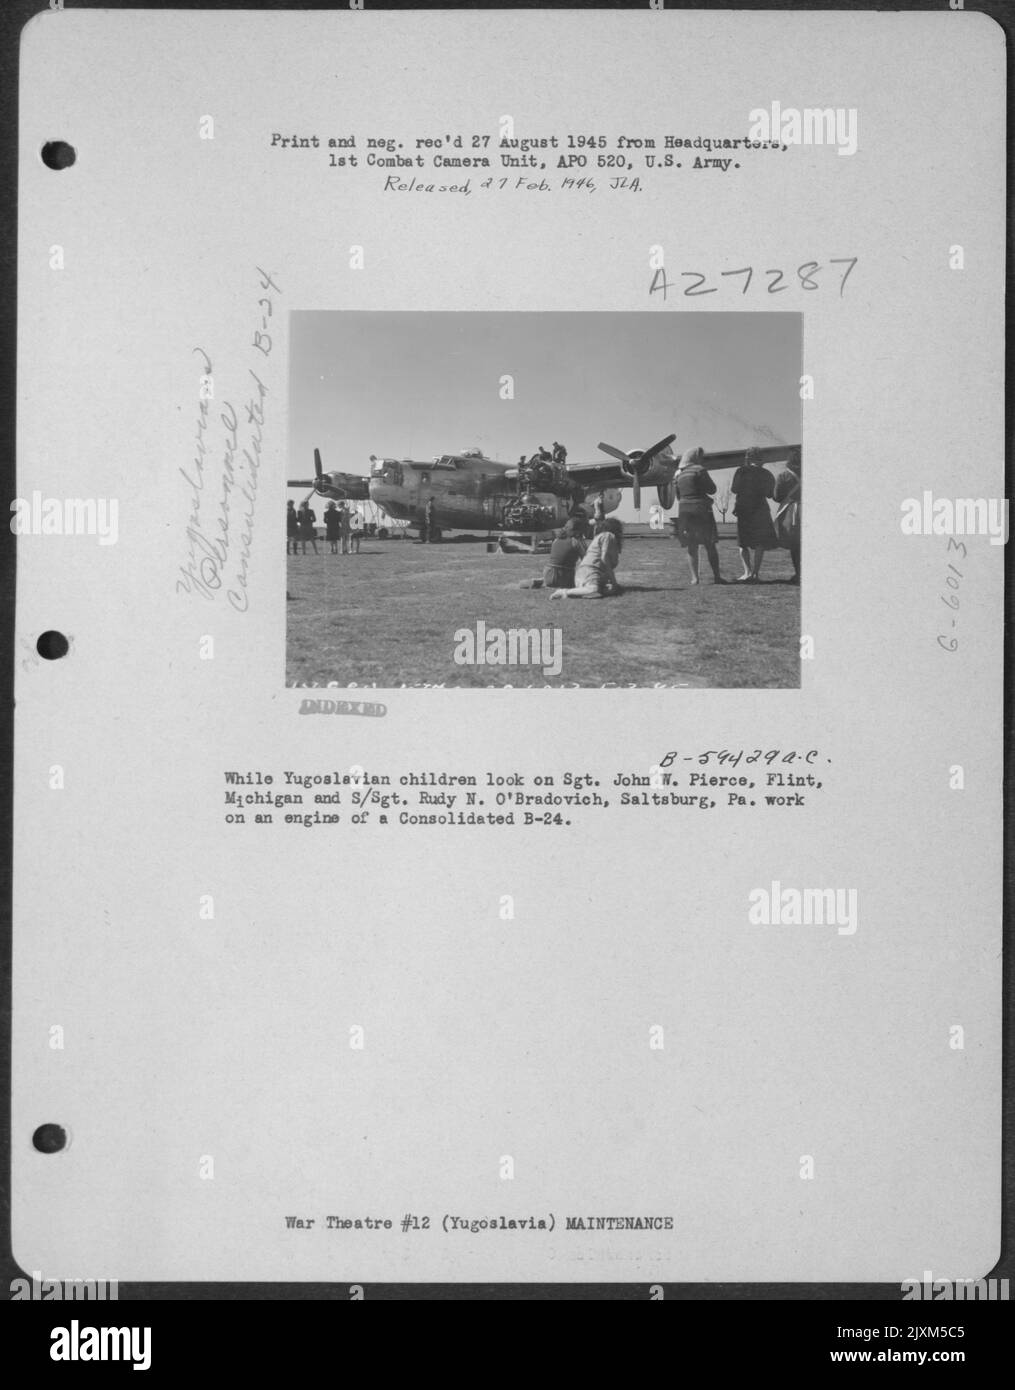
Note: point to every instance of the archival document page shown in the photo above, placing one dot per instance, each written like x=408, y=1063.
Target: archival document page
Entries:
x=476, y=819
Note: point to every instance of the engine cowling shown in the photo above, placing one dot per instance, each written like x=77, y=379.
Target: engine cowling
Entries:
x=657, y=469
x=667, y=494
x=342, y=486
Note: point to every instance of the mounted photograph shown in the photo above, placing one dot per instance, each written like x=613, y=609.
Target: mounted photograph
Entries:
x=460, y=483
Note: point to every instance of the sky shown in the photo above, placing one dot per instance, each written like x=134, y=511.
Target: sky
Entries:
x=412, y=385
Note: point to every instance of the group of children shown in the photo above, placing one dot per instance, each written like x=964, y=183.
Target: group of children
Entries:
x=343, y=526
x=583, y=568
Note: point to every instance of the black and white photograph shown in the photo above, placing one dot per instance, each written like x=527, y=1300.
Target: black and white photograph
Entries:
x=468, y=468
x=476, y=834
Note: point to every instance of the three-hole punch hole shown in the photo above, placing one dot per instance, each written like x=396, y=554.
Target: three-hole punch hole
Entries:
x=52, y=645
x=57, y=154
x=50, y=1139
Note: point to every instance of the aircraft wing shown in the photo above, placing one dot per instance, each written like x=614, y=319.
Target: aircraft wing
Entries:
x=733, y=458
x=608, y=474
x=593, y=475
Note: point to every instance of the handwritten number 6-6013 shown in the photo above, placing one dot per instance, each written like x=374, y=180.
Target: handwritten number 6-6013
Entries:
x=946, y=641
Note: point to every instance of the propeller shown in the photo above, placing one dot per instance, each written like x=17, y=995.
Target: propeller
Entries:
x=319, y=475
x=336, y=485
x=636, y=462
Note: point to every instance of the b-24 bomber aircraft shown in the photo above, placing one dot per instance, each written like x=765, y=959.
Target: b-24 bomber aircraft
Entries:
x=473, y=493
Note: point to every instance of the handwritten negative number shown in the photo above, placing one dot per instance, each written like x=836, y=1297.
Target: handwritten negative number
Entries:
x=806, y=275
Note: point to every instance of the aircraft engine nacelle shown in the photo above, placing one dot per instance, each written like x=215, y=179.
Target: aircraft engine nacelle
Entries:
x=658, y=470
x=342, y=486
x=667, y=494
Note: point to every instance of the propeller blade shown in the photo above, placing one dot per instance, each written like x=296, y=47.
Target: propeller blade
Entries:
x=614, y=453
x=636, y=491
x=318, y=469
x=301, y=482
x=650, y=454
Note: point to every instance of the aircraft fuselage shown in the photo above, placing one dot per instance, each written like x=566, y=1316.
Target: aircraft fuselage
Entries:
x=471, y=494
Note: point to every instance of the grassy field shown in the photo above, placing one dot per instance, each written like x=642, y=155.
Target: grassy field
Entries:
x=388, y=616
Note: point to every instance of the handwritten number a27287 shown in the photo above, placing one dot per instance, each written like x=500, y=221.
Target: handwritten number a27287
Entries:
x=806, y=276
